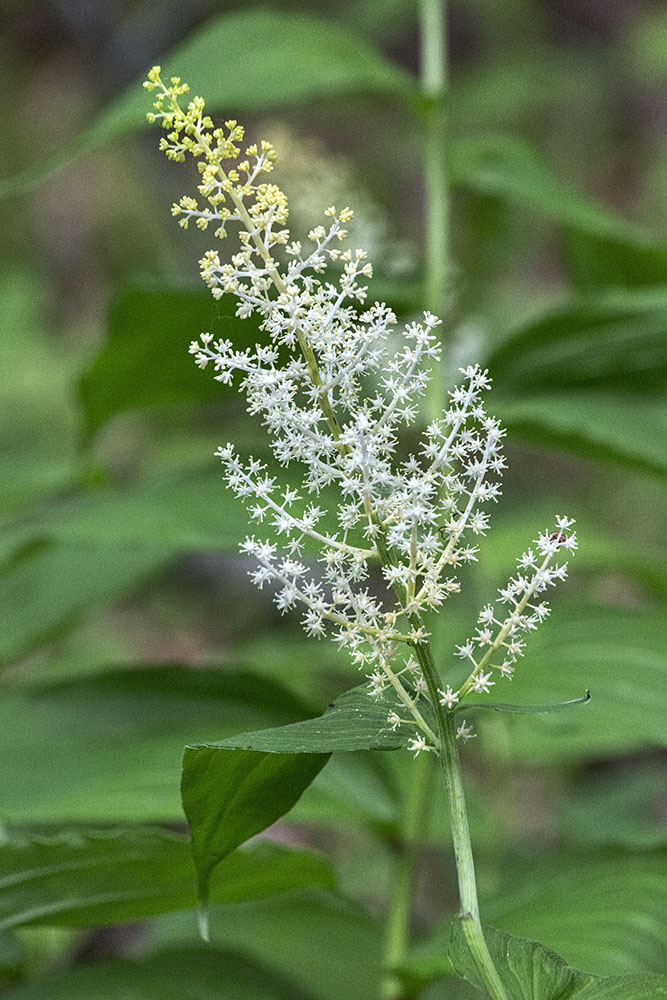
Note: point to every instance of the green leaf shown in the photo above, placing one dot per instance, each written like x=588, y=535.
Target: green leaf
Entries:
x=234, y=788
x=231, y=795
x=528, y=970
x=625, y=988
x=619, y=654
x=612, y=341
x=627, y=432
x=559, y=706
x=52, y=587
x=39, y=423
x=168, y=514
x=107, y=748
x=354, y=721
x=196, y=973
x=327, y=944
x=618, y=252
x=150, y=328
x=88, y=878
x=294, y=58
x=603, y=911
x=616, y=806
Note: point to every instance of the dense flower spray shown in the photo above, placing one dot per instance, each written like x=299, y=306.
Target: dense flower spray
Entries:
x=333, y=393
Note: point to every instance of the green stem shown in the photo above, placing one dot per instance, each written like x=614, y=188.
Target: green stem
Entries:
x=405, y=865
x=433, y=30
x=448, y=756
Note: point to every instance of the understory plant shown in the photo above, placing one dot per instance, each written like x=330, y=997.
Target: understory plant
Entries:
x=365, y=541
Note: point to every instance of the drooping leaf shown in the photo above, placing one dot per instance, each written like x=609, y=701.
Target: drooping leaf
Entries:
x=618, y=252
x=602, y=910
x=616, y=806
x=51, y=587
x=144, y=362
x=197, y=973
x=173, y=513
x=89, y=878
x=38, y=428
x=329, y=945
x=231, y=795
x=625, y=988
x=617, y=653
x=234, y=788
x=182, y=513
x=616, y=341
x=294, y=57
x=107, y=748
x=528, y=970
x=626, y=432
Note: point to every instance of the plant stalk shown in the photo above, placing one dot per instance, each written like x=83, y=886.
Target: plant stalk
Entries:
x=448, y=756
x=434, y=71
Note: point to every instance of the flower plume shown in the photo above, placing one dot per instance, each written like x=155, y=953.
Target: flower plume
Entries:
x=333, y=390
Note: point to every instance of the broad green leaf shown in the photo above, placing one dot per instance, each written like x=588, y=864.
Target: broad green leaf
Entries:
x=13, y=959
x=170, y=513
x=559, y=706
x=87, y=878
x=234, y=788
x=528, y=970
x=185, y=512
x=617, y=653
x=627, y=432
x=600, y=911
x=327, y=944
x=615, y=341
x=294, y=58
x=196, y=973
x=231, y=795
x=617, y=806
x=108, y=748
x=354, y=721
x=38, y=427
x=354, y=788
x=510, y=169
x=144, y=363
x=603, y=911
x=52, y=587
x=625, y=988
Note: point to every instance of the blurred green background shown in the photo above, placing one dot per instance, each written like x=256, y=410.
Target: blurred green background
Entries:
x=128, y=624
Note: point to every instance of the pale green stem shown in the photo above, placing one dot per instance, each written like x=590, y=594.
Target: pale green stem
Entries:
x=433, y=30
x=448, y=755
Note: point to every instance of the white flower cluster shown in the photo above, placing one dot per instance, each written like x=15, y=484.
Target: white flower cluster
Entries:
x=333, y=392
x=501, y=637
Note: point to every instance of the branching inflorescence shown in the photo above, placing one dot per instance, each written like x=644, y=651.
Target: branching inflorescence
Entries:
x=333, y=394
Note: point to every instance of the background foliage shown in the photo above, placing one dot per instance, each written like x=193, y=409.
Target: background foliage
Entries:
x=129, y=628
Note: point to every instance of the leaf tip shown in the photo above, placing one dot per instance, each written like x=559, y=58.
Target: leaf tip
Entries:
x=202, y=918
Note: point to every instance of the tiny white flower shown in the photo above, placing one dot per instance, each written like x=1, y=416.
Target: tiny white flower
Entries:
x=465, y=732
x=394, y=720
x=483, y=683
x=417, y=745
x=448, y=697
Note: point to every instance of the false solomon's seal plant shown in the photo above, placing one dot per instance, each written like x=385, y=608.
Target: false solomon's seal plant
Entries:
x=334, y=391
